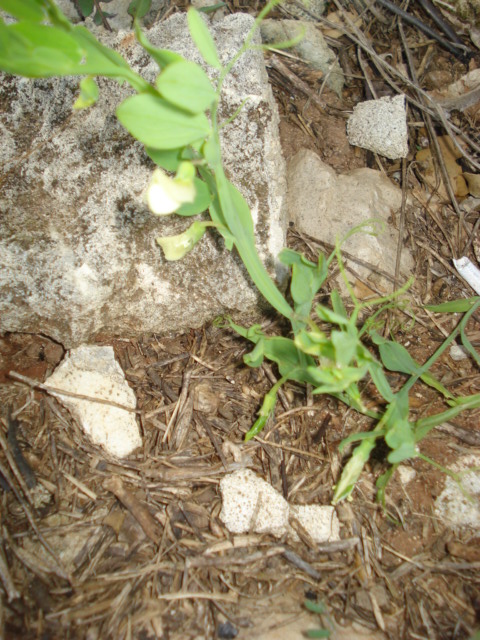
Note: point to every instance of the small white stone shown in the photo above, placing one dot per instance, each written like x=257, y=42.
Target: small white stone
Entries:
x=251, y=504
x=93, y=371
x=406, y=474
x=320, y=522
x=458, y=353
x=381, y=126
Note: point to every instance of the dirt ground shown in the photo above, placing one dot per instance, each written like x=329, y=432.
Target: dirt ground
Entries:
x=153, y=559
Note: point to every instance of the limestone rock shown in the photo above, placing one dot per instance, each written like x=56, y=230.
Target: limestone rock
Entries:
x=77, y=243
x=94, y=372
x=249, y=503
x=327, y=206
x=381, y=126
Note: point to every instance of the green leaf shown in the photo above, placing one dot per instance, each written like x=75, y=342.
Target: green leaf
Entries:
x=30, y=10
x=353, y=469
x=380, y=380
x=203, y=38
x=158, y=124
x=399, y=430
x=326, y=314
x=168, y=159
x=395, y=357
x=38, y=51
x=88, y=93
x=315, y=607
x=186, y=85
x=99, y=60
x=139, y=8
x=318, y=633
x=201, y=203
x=162, y=57
x=307, y=278
x=345, y=346
x=86, y=7
x=454, y=306
x=337, y=304
x=212, y=7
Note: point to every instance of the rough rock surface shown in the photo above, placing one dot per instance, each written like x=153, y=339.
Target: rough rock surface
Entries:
x=381, y=126
x=249, y=503
x=77, y=243
x=93, y=371
x=327, y=206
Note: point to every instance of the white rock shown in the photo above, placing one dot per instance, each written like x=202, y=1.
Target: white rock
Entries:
x=406, y=474
x=457, y=353
x=452, y=505
x=250, y=504
x=327, y=206
x=93, y=371
x=381, y=126
x=320, y=522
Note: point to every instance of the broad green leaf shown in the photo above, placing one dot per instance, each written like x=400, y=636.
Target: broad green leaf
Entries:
x=454, y=306
x=139, y=8
x=158, y=124
x=345, y=346
x=88, y=93
x=162, y=57
x=30, y=10
x=201, y=203
x=86, y=7
x=395, y=357
x=203, y=38
x=187, y=86
x=168, y=159
x=38, y=51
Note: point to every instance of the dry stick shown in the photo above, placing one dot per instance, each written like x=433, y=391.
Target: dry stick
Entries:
x=15, y=470
x=277, y=64
x=433, y=139
x=34, y=384
x=457, y=50
x=139, y=511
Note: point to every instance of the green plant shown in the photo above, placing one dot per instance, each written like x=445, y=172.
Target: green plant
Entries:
x=320, y=609
x=177, y=121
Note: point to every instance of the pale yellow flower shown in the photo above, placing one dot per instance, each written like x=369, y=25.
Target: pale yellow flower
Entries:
x=166, y=194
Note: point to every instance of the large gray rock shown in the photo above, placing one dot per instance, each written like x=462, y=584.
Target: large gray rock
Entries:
x=77, y=243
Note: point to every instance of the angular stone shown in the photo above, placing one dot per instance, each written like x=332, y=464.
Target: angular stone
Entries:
x=327, y=206
x=93, y=371
x=380, y=126
x=77, y=243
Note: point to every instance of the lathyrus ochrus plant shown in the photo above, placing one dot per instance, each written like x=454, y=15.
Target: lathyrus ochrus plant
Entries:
x=176, y=118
